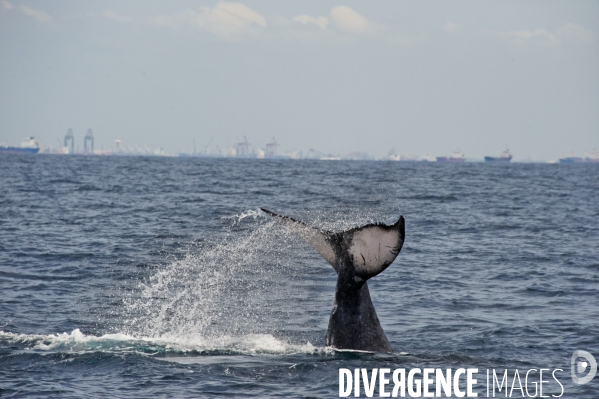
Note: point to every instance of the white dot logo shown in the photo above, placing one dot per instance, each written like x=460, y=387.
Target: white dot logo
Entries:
x=579, y=367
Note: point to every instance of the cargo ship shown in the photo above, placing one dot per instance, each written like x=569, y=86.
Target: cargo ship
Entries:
x=457, y=156
x=504, y=157
x=28, y=146
x=593, y=157
x=571, y=160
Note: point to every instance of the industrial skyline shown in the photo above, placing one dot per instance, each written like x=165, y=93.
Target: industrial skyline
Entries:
x=270, y=150
x=423, y=78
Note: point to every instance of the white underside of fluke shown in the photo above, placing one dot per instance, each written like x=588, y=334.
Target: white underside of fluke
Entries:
x=373, y=248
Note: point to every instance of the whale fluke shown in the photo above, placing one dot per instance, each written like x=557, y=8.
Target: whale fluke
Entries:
x=317, y=238
x=356, y=255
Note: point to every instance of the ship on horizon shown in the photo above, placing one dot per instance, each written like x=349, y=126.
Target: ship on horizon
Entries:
x=457, y=156
x=505, y=156
x=593, y=157
x=28, y=146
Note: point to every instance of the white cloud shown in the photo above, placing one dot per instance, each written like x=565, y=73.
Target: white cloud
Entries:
x=38, y=15
x=225, y=19
x=304, y=19
x=572, y=33
x=348, y=20
x=6, y=5
x=117, y=17
x=568, y=34
x=231, y=20
x=539, y=36
x=451, y=27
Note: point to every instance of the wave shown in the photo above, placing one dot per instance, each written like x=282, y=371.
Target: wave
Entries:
x=253, y=213
x=78, y=342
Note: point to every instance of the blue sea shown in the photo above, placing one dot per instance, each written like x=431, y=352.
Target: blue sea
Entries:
x=138, y=277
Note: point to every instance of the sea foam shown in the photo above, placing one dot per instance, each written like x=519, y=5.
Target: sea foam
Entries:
x=76, y=341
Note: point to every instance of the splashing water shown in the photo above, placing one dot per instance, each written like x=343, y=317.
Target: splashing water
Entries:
x=219, y=288
x=78, y=342
x=253, y=213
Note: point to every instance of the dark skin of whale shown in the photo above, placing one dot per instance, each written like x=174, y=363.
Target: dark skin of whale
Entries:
x=356, y=255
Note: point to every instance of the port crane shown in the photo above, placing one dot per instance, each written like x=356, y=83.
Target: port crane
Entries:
x=243, y=148
x=271, y=148
x=88, y=137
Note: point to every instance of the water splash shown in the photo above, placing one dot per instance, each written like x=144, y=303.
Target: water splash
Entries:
x=77, y=342
x=221, y=286
x=253, y=213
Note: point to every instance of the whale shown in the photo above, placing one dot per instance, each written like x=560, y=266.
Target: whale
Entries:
x=357, y=255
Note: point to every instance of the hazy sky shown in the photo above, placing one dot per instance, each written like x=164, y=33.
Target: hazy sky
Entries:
x=418, y=76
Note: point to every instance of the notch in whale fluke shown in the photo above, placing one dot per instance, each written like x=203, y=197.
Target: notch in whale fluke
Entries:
x=369, y=249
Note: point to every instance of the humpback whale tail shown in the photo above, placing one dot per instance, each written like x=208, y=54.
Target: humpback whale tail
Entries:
x=356, y=255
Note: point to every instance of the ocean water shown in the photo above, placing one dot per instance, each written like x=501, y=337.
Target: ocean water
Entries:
x=136, y=277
